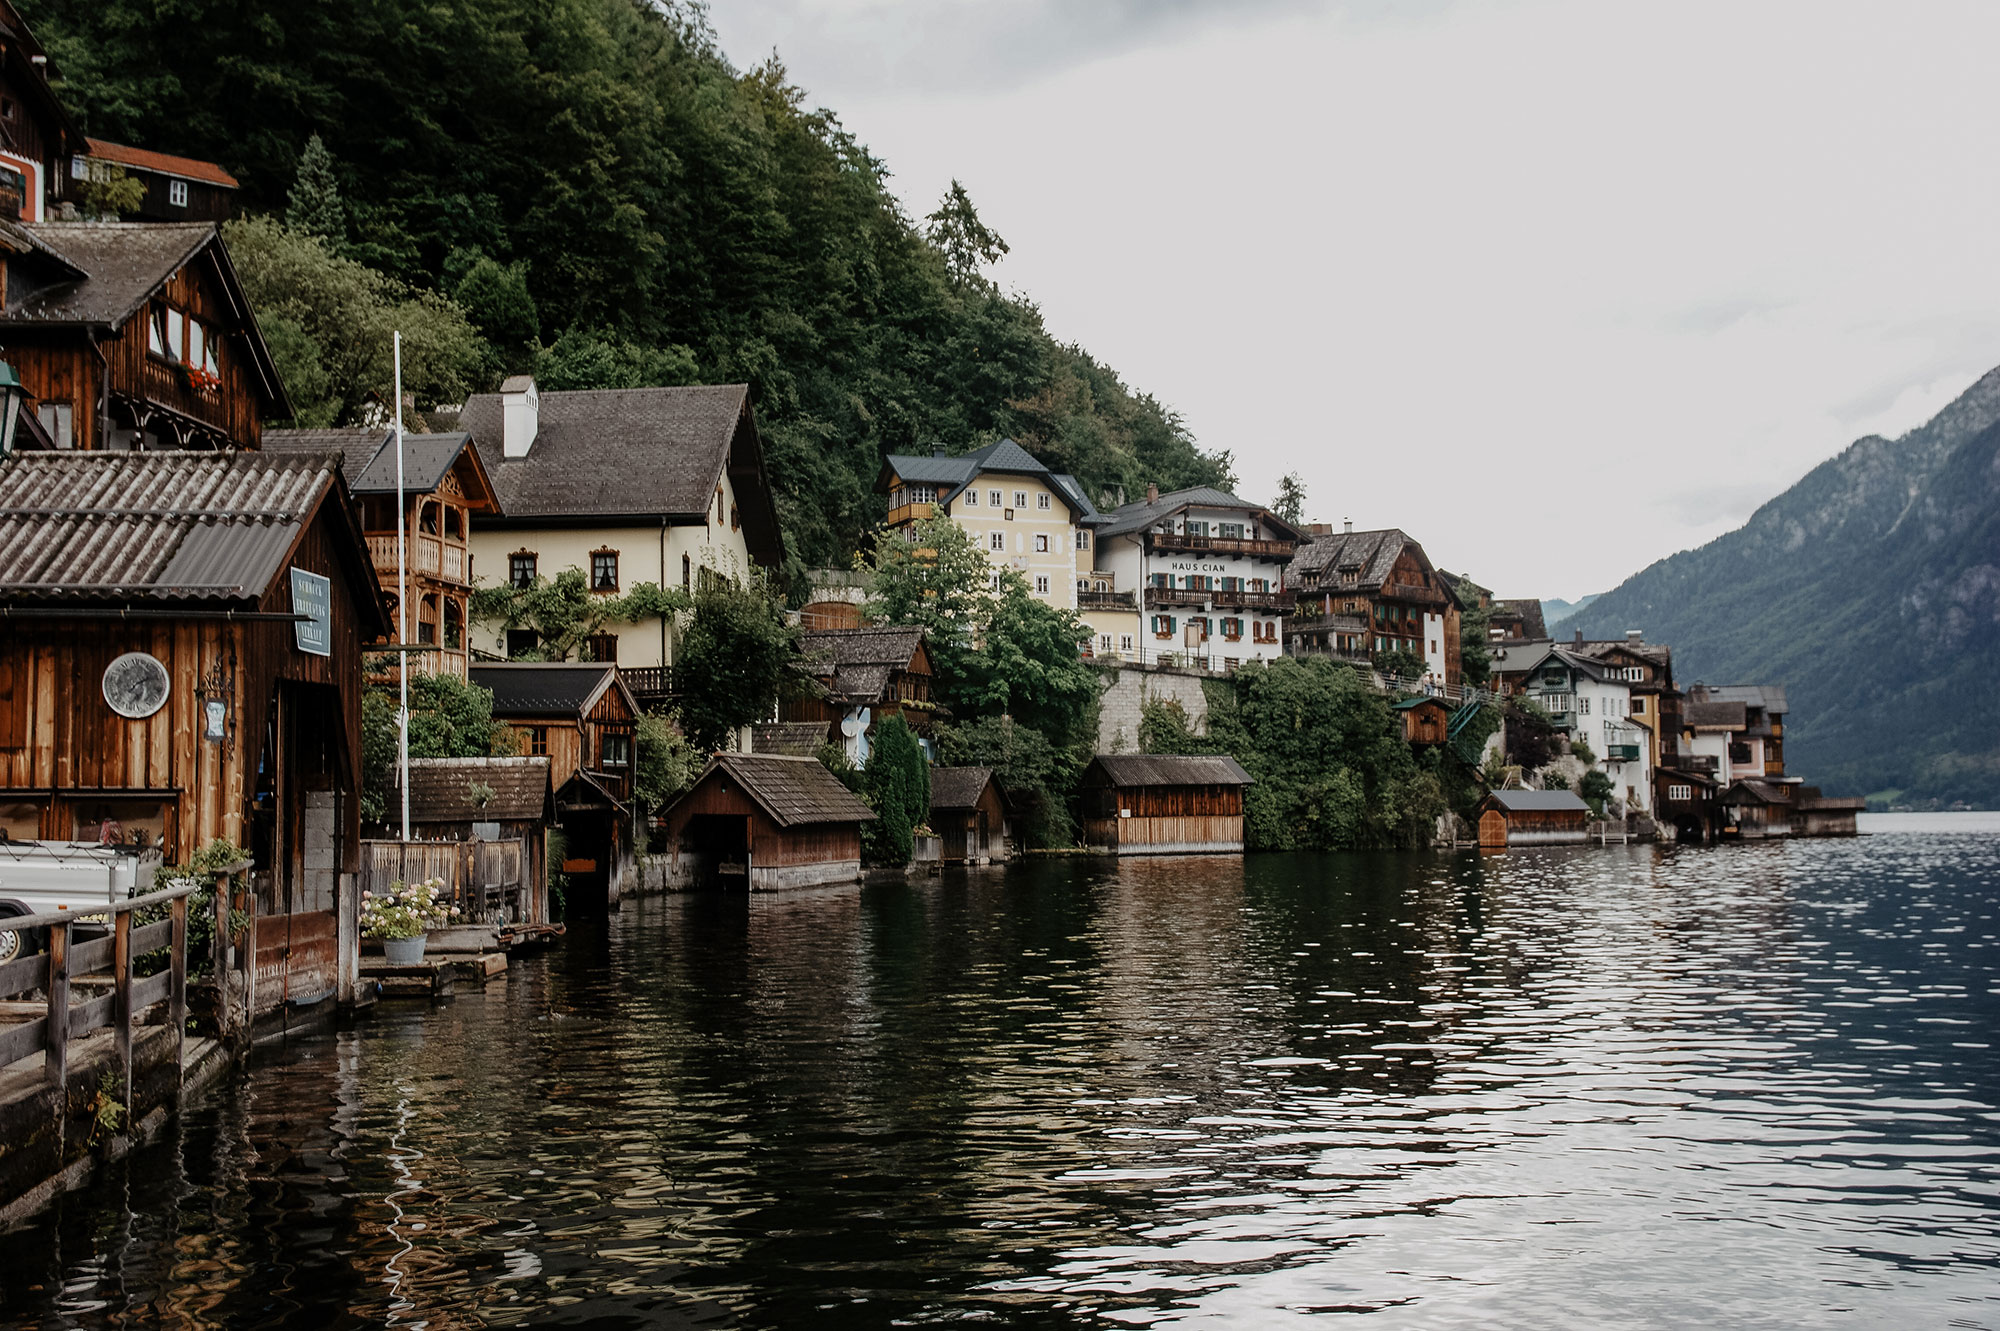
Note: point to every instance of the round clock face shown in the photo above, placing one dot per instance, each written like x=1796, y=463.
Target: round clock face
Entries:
x=136, y=685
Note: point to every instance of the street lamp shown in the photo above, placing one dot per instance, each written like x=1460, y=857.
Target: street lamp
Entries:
x=11, y=397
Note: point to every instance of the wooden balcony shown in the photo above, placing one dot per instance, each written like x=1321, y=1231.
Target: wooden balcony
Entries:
x=165, y=384
x=1177, y=596
x=1220, y=545
x=429, y=556
x=903, y=513
x=1106, y=601
x=651, y=685
x=426, y=661
x=1279, y=601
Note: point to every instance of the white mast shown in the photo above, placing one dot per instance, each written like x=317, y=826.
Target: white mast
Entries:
x=402, y=605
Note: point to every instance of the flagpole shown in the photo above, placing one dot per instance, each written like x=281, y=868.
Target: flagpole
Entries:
x=402, y=605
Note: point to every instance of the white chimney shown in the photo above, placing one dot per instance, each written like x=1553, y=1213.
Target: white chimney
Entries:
x=1633, y=637
x=520, y=415
x=1349, y=525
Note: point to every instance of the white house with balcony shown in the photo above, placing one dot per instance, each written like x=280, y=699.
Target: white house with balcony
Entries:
x=1592, y=702
x=1204, y=572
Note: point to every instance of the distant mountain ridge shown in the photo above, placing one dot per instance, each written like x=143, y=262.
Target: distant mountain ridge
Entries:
x=1871, y=588
x=1555, y=609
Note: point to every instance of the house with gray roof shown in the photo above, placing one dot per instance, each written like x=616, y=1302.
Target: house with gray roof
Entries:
x=624, y=487
x=865, y=675
x=1030, y=521
x=1197, y=577
x=444, y=486
x=1163, y=804
x=1386, y=581
x=760, y=822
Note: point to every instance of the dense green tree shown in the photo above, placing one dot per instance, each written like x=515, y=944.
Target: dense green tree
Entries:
x=314, y=205
x=1291, y=501
x=1596, y=788
x=896, y=782
x=736, y=656
x=1164, y=728
x=934, y=576
x=496, y=299
x=1531, y=741
x=1401, y=663
x=966, y=243
x=583, y=358
x=1039, y=777
x=1029, y=665
x=664, y=763
x=449, y=718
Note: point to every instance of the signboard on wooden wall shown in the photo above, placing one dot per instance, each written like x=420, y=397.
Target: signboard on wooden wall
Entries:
x=312, y=596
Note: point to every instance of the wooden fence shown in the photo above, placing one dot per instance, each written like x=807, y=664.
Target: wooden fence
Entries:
x=64, y=961
x=482, y=877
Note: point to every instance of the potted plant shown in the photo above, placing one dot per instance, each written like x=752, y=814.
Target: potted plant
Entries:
x=399, y=917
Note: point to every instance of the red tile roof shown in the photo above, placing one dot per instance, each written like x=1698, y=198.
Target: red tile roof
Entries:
x=145, y=159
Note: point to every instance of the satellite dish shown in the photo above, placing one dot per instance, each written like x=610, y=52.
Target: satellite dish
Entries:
x=854, y=722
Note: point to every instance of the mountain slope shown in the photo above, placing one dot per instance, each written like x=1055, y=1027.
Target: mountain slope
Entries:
x=1872, y=589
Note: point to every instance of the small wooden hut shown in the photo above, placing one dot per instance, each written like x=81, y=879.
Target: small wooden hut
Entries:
x=1533, y=818
x=969, y=813
x=1426, y=721
x=501, y=808
x=761, y=822
x=1161, y=804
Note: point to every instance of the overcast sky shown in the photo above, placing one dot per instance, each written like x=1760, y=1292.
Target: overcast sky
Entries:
x=1558, y=286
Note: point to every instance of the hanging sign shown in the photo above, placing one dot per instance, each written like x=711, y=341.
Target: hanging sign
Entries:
x=215, y=720
x=312, y=596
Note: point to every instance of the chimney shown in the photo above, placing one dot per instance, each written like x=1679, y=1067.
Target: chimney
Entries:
x=1319, y=529
x=520, y=415
x=937, y=450
x=1579, y=637
x=1633, y=637
x=1152, y=493
x=1347, y=524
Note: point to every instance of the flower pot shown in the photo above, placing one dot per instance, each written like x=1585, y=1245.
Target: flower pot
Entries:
x=403, y=951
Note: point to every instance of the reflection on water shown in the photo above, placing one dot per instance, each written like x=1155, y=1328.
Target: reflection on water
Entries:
x=1750, y=1086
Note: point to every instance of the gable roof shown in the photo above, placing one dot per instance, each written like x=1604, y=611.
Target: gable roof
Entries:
x=1144, y=513
x=368, y=458
x=1770, y=697
x=793, y=739
x=1714, y=715
x=1533, y=655
x=794, y=791
x=858, y=663
x=953, y=474
x=653, y=453
x=1528, y=611
x=441, y=789
x=1412, y=704
x=959, y=787
x=1374, y=553
x=176, y=527
x=1539, y=801
x=166, y=164
x=1160, y=769
x=566, y=689
x=122, y=265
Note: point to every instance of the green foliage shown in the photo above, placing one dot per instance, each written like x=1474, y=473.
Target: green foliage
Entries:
x=1029, y=665
x=1475, y=661
x=665, y=764
x=1554, y=781
x=1581, y=751
x=111, y=191
x=1402, y=664
x=1164, y=728
x=668, y=204
x=1532, y=741
x=1291, y=501
x=735, y=657
x=449, y=718
x=1596, y=788
x=966, y=243
x=1039, y=777
x=496, y=299
x=330, y=321
x=563, y=612
x=1332, y=769
x=937, y=579
x=896, y=782
x=314, y=205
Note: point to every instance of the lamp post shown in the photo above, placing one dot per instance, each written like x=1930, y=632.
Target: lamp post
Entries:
x=11, y=397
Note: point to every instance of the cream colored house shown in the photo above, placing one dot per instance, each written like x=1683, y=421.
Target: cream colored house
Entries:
x=1027, y=519
x=630, y=486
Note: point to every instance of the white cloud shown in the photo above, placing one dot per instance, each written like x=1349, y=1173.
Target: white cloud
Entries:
x=1557, y=286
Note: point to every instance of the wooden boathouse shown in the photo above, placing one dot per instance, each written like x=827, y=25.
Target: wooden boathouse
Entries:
x=969, y=814
x=180, y=661
x=1163, y=804
x=1533, y=818
x=762, y=822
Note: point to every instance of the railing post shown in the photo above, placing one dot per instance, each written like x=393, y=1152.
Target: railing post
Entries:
x=219, y=959
x=121, y=1001
x=55, y=1066
x=177, y=1001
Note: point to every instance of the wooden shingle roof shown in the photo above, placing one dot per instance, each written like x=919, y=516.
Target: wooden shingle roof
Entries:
x=959, y=787
x=1127, y=770
x=794, y=791
x=442, y=789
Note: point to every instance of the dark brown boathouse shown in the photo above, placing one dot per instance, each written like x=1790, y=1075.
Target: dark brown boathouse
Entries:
x=1164, y=804
x=761, y=821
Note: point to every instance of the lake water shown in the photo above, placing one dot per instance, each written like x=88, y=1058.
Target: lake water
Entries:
x=1749, y=1086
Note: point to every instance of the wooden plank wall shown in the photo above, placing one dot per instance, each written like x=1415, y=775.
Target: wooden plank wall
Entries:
x=1198, y=830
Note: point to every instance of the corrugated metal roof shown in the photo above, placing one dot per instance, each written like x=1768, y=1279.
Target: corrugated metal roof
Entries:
x=1539, y=801
x=114, y=526
x=1126, y=770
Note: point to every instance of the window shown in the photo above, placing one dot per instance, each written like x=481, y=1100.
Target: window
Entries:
x=1583, y=706
x=996, y=582
x=177, y=193
x=1007, y=514
x=1124, y=642
x=1229, y=530
x=604, y=571
x=538, y=741
x=1083, y=540
x=1104, y=643
x=156, y=333
x=1197, y=528
x=521, y=569
x=1680, y=792
x=1020, y=499
x=1041, y=584
x=59, y=419
x=617, y=750
x=520, y=642
x=1638, y=707
x=1232, y=629
x=176, y=331
x=1163, y=626
x=1041, y=544
x=735, y=518
x=1042, y=500
x=971, y=498
x=687, y=574
x=992, y=499
x=79, y=167
x=997, y=541
x=602, y=647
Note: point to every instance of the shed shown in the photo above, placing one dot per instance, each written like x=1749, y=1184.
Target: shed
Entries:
x=1426, y=721
x=1815, y=814
x=501, y=806
x=969, y=812
x=1757, y=810
x=763, y=821
x=1164, y=804
x=1533, y=818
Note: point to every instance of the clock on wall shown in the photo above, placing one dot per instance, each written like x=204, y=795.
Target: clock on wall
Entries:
x=136, y=685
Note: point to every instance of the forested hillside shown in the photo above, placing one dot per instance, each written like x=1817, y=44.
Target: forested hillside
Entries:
x=611, y=201
x=1872, y=589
